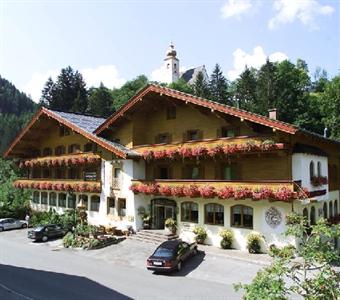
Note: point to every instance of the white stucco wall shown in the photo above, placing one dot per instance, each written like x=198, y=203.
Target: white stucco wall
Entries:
x=300, y=171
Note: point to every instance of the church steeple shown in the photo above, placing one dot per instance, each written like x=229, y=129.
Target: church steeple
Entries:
x=171, y=64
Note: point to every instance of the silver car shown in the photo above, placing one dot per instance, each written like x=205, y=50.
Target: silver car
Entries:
x=10, y=223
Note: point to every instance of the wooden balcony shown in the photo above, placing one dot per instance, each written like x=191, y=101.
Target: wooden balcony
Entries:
x=210, y=148
x=256, y=190
x=62, y=160
x=66, y=185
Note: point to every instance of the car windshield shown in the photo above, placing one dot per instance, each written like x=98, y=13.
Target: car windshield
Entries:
x=163, y=252
x=39, y=228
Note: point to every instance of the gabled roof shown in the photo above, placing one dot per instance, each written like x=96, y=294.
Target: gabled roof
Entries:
x=214, y=106
x=191, y=74
x=82, y=124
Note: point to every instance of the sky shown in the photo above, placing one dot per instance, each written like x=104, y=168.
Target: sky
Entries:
x=113, y=41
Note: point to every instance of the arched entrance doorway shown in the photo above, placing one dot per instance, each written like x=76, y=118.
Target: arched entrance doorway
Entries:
x=162, y=209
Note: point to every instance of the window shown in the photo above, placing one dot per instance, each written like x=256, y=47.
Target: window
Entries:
x=330, y=206
x=36, y=173
x=60, y=150
x=90, y=174
x=83, y=200
x=171, y=113
x=312, y=216
x=62, y=200
x=229, y=132
x=35, y=153
x=214, y=214
x=36, y=197
x=95, y=202
x=47, y=151
x=121, y=207
x=311, y=170
x=71, y=201
x=325, y=214
x=74, y=148
x=305, y=214
x=110, y=205
x=319, y=169
x=46, y=173
x=64, y=131
x=189, y=212
x=73, y=173
x=59, y=173
x=43, y=198
x=90, y=147
x=192, y=172
x=193, y=135
x=53, y=199
x=162, y=138
x=242, y=216
x=163, y=172
x=229, y=172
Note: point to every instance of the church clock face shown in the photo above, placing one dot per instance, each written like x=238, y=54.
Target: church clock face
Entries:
x=273, y=217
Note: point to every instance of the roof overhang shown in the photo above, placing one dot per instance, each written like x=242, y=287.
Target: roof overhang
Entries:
x=44, y=111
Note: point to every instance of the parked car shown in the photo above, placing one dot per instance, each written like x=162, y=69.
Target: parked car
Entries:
x=46, y=232
x=170, y=255
x=10, y=223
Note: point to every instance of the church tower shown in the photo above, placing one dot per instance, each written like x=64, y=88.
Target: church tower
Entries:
x=171, y=64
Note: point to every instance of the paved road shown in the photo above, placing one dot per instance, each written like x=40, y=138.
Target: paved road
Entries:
x=45, y=271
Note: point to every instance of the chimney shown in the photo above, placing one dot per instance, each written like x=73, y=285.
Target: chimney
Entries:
x=273, y=113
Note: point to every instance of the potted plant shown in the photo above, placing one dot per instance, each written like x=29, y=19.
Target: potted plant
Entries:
x=170, y=224
x=227, y=238
x=201, y=234
x=254, y=242
x=146, y=221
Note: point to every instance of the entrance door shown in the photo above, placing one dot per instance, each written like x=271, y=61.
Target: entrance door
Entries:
x=162, y=210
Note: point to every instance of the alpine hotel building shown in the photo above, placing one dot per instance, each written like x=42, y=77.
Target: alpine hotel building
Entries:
x=171, y=154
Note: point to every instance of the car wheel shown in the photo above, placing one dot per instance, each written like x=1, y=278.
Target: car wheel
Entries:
x=179, y=266
x=24, y=226
x=44, y=238
x=1, y=229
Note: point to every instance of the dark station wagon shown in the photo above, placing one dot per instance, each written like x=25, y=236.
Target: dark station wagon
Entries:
x=46, y=232
x=170, y=255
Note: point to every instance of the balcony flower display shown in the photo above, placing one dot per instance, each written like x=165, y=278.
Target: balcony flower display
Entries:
x=319, y=180
x=227, y=192
x=212, y=152
x=207, y=191
x=66, y=160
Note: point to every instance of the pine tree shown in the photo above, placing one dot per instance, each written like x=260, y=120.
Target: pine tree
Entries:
x=218, y=86
x=246, y=90
x=100, y=101
x=201, y=87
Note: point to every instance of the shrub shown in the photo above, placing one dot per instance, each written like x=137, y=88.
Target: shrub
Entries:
x=227, y=238
x=201, y=234
x=254, y=242
x=170, y=223
x=286, y=252
x=68, y=240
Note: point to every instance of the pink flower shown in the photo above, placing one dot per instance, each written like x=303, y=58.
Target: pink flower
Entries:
x=207, y=191
x=185, y=152
x=177, y=191
x=165, y=190
x=226, y=192
x=191, y=191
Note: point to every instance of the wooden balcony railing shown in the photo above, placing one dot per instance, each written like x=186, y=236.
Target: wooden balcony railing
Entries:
x=62, y=160
x=66, y=185
x=255, y=190
x=209, y=148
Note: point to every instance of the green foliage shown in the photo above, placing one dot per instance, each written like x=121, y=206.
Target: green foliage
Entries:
x=170, y=223
x=68, y=93
x=331, y=107
x=311, y=275
x=254, y=242
x=84, y=230
x=201, y=234
x=68, y=240
x=218, y=86
x=13, y=202
x=200, y=87
x=227, y=238
x=67, y=220
x=182, y=86
x=130, y=88
x=100, y=101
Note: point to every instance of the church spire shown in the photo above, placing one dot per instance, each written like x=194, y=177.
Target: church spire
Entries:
x=171, y=64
